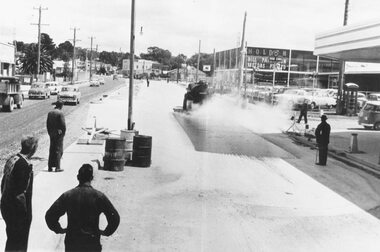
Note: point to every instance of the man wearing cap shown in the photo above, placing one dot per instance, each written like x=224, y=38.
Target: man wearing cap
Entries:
x=322, y=133
x=56, y=128
x=83, y=206
x=16, y=195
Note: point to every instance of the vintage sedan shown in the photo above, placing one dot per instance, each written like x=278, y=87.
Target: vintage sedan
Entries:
x=54, y=87
x=69, y=94
x=94, y=83
x=39, y=90
x=369, y=115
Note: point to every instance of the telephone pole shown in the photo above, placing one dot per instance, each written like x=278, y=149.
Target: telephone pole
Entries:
x=199, y=55
x=40, y=9
x=92, y=38
x=131, y=66
x=73, y=64
x=241, y=73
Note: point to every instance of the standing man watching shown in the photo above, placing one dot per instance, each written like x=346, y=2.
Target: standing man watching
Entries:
x=322, y=133
x=83, y=206
x=16, y=195
x=56, y=128
x=303, y=112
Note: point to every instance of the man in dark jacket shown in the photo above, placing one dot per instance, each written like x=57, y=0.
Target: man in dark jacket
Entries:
x=16, y=195
x=322, y=133
x=56, y=128
x=303, y=112
x=83, y=206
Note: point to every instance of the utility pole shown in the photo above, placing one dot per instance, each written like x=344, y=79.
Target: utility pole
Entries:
x=213, y=68
x=131, y=66
x=40, y=9
x=199, y=55
x=96, y=57
x=242, y=55
x=340, y=103
x=73, y=64
x=91, y=58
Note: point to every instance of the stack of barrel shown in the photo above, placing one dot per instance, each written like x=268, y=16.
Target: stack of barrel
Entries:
x=130, y=148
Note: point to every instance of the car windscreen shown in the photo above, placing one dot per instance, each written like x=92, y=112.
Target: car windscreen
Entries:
x=369, y=107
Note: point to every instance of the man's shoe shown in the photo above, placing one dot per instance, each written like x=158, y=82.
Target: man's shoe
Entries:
x=320, y=164
x=58, y=170
x=50, y=169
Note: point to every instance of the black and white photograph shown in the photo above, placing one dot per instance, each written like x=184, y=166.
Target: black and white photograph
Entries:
x=190, y=125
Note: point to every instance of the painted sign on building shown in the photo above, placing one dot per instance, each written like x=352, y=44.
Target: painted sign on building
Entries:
x=267, y=58
x=206, y=68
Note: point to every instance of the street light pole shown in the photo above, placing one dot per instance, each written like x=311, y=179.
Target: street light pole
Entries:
x=131, y=66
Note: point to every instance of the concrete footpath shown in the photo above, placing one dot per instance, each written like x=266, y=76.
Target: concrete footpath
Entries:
x=197, y=201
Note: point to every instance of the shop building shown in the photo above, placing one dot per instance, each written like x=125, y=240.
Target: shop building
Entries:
x=7, y=59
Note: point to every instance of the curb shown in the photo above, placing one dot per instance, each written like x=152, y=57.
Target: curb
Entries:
x=340, y=155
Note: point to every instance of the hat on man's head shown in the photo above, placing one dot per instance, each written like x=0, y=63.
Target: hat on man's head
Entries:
x=324, y=117
x=58, y=103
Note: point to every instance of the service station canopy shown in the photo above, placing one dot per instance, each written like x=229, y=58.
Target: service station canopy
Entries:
x=359, y=43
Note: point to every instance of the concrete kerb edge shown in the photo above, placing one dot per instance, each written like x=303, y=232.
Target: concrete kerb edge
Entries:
x=341, y=156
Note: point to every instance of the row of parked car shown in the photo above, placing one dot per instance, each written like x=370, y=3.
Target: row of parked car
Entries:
x=294, y=97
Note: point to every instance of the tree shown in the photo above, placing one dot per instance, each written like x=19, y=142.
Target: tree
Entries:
x=47, y=44
x=29, y=60
x=157, y=54
x=176, y=62
x=64, y=51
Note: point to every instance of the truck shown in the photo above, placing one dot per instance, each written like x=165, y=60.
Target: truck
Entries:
x=11, y=95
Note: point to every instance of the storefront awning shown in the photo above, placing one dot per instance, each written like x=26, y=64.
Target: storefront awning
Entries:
x=359, y=43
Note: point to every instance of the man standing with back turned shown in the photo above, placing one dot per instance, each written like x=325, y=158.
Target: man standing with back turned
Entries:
x=322, y=133
x=16, y=195
x=83, y=206
x=56, y=128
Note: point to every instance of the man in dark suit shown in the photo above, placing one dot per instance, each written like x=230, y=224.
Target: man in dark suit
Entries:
x=16, y=195
x=303, y=112
x=83, y=206
x=322, y=133
x=56, y=128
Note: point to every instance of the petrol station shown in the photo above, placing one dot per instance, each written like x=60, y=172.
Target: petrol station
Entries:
x=356, y=43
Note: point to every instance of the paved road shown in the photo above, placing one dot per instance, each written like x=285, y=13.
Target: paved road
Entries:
x=31, y=119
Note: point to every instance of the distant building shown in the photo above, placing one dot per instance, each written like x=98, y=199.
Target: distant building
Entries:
x=7, y=60
x=142, y=67
x=187, y=74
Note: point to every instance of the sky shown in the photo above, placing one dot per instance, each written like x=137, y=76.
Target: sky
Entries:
x=179, y=25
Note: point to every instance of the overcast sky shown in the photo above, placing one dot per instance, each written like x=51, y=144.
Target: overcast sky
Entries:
x=178, y=25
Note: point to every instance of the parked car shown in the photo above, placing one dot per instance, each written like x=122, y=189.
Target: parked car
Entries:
x=70, y=94
x=374, y=97
x=39, y=90
x=320, y=98
x=94, y=83
x=54, y=87
x=291, y=98
x=369, y=115
x=101, y=81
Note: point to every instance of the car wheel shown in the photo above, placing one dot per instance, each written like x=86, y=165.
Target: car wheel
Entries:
x=11, y=104
x=19, y=105
x=376, y=126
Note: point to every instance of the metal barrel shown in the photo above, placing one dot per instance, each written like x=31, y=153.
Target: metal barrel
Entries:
x=142, y=151
x=116, y=150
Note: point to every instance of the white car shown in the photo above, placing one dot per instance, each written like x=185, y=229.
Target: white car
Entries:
x=101, y=81
x=320, y=98
x=54, y=87
x=291, y=98
x=94, y=83
x=69, y=94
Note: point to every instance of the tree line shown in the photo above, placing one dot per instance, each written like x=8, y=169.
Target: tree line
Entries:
x=64, y=51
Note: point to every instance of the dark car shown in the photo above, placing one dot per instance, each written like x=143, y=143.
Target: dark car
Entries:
x=369, y=115
x=196, y=93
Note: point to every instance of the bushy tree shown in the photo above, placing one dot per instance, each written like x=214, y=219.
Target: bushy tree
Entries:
x=64, y=51
x=30, y=59
x=158, y=54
